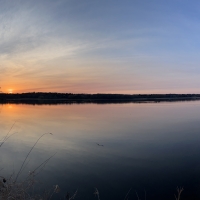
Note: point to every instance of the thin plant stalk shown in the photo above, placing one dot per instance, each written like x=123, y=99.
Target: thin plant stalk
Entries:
x=7, y=135
x=179, y=191
x=29, y=154
x=96, y=192
x=127, y=193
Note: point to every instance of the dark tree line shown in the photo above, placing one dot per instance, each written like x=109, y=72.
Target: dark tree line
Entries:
x=71, y=96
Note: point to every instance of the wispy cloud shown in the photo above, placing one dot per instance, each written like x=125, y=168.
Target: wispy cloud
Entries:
x=98, y=45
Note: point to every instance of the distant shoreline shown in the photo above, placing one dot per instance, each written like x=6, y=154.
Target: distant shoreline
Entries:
x=67, y=98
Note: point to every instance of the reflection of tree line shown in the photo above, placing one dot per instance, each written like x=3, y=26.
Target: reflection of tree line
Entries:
x=56, y=98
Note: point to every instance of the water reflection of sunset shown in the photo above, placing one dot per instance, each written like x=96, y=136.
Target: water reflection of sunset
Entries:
x=10, y=106
x=133, y=135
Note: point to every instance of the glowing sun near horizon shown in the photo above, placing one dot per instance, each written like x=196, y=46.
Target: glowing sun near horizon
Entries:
x=10, y=91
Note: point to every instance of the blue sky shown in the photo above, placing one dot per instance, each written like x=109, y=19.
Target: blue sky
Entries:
x=100, y=46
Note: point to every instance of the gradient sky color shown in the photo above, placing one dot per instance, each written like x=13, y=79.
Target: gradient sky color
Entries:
x=100, y=46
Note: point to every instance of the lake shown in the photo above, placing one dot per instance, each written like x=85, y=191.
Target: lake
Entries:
x=148, y=148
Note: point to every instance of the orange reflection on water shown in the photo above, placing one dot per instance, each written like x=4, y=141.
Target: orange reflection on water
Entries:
x=96, y=122
x=10, y=106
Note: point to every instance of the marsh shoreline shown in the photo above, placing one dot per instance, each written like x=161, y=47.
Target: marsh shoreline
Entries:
x=70, y=98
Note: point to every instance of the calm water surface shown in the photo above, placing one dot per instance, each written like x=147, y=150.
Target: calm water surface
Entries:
x=149, y=147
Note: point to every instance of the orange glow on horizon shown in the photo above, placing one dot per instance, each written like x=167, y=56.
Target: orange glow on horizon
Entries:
x=10, y=91
x=92, y=90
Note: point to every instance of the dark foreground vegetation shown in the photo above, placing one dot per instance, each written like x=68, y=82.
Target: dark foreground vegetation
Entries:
x=92, y=98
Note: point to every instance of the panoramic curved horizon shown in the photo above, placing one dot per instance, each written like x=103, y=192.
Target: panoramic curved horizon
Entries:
x=128, y=47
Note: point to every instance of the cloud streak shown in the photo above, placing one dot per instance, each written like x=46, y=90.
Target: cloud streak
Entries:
x=98, y=46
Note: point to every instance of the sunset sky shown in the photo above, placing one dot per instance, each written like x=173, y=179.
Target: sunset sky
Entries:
x=100, y=46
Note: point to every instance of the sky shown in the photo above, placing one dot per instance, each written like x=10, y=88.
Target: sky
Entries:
x=100, y=46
